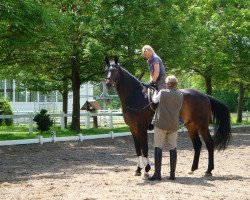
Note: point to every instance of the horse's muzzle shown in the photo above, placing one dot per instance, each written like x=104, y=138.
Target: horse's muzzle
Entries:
x=109, y=84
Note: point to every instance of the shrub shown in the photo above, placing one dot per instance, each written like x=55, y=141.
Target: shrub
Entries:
x=43, y=121
x=5, y=109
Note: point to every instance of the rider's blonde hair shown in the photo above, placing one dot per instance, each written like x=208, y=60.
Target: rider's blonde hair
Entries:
x=148, y=49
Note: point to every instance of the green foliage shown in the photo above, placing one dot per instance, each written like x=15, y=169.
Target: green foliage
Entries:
x=43, y=121
x=229, y=98
x=114, y=104
x=43, y=42
x=5, y=109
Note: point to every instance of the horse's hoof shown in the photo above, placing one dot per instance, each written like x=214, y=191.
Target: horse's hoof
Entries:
x=137, y=173
x=191, y=172
x=145, y=176
x=207, y=174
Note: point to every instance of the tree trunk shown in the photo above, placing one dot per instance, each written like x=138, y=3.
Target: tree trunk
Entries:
x=208, y=81
x=76, y=94
x=65, y=105
x=240, y=102
x=65, y=93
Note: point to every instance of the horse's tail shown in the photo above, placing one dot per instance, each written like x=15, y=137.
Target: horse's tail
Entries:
x=222, y=124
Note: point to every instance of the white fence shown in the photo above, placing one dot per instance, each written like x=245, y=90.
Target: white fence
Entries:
x=108, y=118
x=79, y=137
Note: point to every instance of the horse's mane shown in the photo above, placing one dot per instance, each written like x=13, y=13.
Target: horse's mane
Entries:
x=135, y=97
x=132, y=78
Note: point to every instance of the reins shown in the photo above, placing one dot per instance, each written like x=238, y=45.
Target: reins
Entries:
x=137, y=109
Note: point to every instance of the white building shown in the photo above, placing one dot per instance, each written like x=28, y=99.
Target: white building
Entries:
x=23, y=100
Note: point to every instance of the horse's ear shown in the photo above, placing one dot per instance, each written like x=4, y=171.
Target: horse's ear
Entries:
x=116, y=60
x=107, y=61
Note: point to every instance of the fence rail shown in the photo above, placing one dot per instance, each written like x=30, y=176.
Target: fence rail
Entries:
x=107, y=117
x=79, y=137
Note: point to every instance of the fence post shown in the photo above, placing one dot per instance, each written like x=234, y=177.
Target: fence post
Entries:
x=41, y=139
x=80, y=137
x=88, y=120
x=112, y=134
x=245, y=118
x=30, y=123
x=111, y=120
x=62, y=121
x=17, y=119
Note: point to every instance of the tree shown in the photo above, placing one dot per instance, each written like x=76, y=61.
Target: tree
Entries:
x=5, y=109
x=28, y=53
x=43, y=121
x=239, y=49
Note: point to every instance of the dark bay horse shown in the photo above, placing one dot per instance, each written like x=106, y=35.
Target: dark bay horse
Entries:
x=197, y=111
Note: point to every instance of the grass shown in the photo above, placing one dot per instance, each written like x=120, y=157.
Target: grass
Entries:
x=21, y=131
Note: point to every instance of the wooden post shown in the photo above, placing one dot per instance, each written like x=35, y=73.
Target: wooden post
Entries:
x=95, y=122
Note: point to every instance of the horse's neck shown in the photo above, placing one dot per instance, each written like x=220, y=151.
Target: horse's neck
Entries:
x=128, y=91
x=124, y=89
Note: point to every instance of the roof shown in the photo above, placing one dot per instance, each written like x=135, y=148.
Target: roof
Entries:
x=91, y=105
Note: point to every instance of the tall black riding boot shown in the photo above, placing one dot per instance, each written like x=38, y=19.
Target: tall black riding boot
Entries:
x=173, y=161
x=158, y=159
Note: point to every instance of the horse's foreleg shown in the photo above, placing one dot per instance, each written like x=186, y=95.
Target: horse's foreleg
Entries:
x=139, y=154
x=146, y=162
x=197, y=149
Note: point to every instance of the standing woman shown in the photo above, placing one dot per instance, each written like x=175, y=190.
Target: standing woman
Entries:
x=166, y=125
x=156, y=67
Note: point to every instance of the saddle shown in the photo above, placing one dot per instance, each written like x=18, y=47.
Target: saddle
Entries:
x=148, y=91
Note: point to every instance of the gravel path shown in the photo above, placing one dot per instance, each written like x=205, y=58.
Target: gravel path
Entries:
x=104, y=169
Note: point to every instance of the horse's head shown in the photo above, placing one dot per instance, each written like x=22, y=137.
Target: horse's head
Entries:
x=112, y=72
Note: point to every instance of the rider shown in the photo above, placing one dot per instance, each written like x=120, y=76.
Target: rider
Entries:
x=166, y=125
x=156, y=67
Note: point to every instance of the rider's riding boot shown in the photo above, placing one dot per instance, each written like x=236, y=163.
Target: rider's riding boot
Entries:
x=173, y=160
x=158, y=159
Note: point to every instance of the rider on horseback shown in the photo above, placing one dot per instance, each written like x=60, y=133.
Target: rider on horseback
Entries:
x=156, y=67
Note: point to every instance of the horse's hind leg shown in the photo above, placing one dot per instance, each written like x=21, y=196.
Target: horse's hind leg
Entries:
x=194, y=136
x=210, y=148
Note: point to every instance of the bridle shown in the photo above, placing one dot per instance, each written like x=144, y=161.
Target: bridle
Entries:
x=113, y=81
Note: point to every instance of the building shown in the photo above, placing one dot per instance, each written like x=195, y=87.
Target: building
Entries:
x=25, y=101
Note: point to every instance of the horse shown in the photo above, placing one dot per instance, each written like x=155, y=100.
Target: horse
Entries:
x=197, y=112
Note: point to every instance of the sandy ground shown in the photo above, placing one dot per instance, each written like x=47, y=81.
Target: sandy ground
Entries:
x=104, y=169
